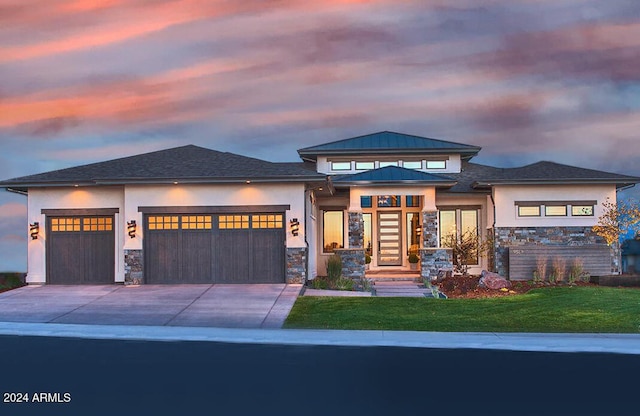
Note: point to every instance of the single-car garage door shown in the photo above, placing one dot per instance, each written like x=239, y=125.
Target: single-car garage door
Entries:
x=80, y=250
x=214, y=248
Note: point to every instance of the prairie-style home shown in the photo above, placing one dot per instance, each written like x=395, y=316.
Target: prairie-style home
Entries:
x=195, y=215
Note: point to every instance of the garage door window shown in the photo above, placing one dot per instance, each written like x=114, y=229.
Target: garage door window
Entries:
x=266, y=221
x=97, y=224
x=196, y=222
x=65, y=224
x=163, y=223
x=233, y=222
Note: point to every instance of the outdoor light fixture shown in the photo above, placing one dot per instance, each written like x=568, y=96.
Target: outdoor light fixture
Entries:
x=418, y=230
x=34, y=229
x=131, y=228
x=295, y=226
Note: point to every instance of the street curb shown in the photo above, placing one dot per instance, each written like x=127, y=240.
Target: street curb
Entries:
x=532, y=342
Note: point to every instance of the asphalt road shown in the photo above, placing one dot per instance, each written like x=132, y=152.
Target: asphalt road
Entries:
x=114, y=377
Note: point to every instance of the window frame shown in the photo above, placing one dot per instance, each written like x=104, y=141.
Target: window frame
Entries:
x=335, y=163
x=324, y=230
x=547, y=214
x=521, y=215
x=430, y=162
x=582, y=206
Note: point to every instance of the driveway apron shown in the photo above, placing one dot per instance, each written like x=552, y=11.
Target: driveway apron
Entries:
x=228, y=306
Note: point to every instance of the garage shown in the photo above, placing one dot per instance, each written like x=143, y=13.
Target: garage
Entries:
x=81, y=249
x=214, y=247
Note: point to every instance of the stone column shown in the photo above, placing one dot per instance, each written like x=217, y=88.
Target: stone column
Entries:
x=296, y=265
x=133, y=267
x=435, y=261
x=356, y=229
x=430, y=229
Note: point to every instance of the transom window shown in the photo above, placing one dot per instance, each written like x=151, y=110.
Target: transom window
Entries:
x=97, y=224
x=365, y=165
x=266, y=221
x=230, y=222
x=389, y=163
x=165, y=222
x=340, y=165
x=65, y=224
x=412, y=164
x=196, y=222
x=436, y=164
x=582, y=210
x=386, y=201
x=529, y=211
x=555, y=210
x=413, y=201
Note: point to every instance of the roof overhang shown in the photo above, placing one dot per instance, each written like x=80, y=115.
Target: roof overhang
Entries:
x=312, y=155
x=618, y=183
x=344, y=184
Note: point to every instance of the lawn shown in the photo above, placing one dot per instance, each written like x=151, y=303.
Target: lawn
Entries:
x=557, y=309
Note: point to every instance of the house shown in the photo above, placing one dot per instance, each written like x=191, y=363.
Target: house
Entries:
x=195, y=215
x=631, y=255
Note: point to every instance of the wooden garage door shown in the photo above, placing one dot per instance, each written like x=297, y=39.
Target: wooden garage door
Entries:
x=214, y=248
x=80, y=250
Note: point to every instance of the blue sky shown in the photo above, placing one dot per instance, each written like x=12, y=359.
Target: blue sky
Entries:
x=527, y=80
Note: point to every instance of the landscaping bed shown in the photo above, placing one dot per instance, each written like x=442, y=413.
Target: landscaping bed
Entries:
x=10, y=281
x=467, y=287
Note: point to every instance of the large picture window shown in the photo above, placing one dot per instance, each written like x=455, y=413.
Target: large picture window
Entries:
x=459, y=226
x=333, y=231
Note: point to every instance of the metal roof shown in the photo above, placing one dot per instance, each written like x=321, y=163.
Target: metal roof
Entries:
x=388, y=142
x=392, y=174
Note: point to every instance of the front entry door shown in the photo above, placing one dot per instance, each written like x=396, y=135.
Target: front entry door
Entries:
x=389, y=239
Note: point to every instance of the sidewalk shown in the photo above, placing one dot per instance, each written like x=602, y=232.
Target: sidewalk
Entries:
x=601, y=343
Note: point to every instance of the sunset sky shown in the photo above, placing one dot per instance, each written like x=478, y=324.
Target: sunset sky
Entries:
x=528, y=80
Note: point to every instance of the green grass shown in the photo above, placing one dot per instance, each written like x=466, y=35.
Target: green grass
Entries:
x=562, y=309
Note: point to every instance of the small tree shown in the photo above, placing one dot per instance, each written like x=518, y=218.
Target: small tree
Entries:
x=466, y=249
x=617, y=220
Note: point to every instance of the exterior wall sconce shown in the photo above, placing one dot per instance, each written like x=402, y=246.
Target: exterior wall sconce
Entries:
x=34, y=230
x=131, y=228
x=295, y=226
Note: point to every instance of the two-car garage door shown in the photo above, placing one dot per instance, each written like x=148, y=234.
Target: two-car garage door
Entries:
x=214, y=248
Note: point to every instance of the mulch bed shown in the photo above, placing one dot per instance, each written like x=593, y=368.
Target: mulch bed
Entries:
x=466, y=287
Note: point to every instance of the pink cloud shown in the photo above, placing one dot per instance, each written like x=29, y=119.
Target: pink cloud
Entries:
x=12, y=210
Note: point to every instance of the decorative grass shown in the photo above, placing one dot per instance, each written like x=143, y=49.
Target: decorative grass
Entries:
x=561, y=309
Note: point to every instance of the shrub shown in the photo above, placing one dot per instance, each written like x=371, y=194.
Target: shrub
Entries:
x=575, y=270
x=558, y=270
x=334, y=268
x=367, y=259
x=541, y=269
x=320, y=282
x=413, y=258
x=344, y=283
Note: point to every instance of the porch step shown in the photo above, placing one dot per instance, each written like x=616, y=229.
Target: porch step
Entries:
x=394, y=278
x=400, y=289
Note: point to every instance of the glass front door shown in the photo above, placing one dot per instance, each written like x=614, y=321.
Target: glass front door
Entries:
x=389, y=239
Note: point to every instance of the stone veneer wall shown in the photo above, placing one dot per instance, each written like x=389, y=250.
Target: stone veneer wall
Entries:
x=352, y=262
x=573, y=236
x=133, y=267
x=433, y=260
x=356, y=230
x=430, y=229
x=296, y=265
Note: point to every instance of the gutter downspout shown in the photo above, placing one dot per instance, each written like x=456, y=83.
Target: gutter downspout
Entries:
x=306, y=242
x=493, y=229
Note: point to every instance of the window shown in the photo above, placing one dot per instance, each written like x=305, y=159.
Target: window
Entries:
x=340, y=165
x=413, y=201
x=65, y=224
x=365, y=202
x=555, y=210
x=97, y=224
x=385, y=164
x=413, y=235
x=266, y=221
x=364, y=165
x=412, y=164
x=231, y=222
x=333, y=231
x=457, y=225
x=163, y=222
x=582, y=210
x=366, y=218
x=386, y=201
x=529, y=211
x=436, y=164
x=196, y=222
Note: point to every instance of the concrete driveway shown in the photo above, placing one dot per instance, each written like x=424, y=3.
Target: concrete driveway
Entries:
x=227, y=306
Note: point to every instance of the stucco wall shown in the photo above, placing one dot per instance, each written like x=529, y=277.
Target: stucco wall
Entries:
x=506, y=211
